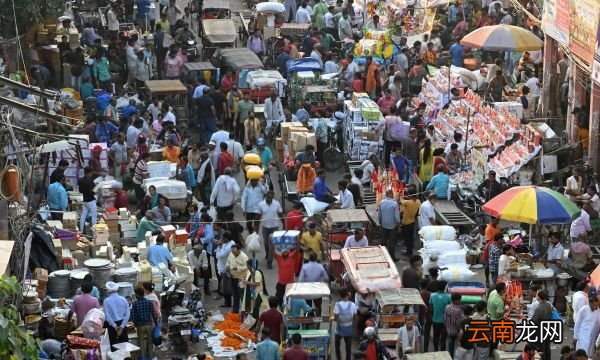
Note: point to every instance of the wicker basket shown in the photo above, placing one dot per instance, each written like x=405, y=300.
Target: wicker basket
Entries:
x=62, y=328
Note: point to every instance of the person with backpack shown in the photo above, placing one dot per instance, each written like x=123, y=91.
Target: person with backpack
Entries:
x=395, y=131
x=345, y=316
x=255, y=291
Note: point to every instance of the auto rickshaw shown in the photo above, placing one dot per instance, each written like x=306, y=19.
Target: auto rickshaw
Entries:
x=393, y=307
x=217, y=34
x=314, y=341
x=320, y=97
x=195, y=71
x=216, y=9
x=240, y=61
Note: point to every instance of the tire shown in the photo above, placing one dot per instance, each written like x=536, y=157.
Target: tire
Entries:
x=333, y=159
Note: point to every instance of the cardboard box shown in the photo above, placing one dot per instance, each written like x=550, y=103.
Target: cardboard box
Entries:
x=370, y=135
x=181, y=237
x=301, y=140
x=168, y=230
x=69, y=220
x=279, y=143
x=285, y=129
x=356, y=96
x=40, y=274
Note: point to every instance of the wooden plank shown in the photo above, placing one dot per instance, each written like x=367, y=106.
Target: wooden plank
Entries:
x=402, y=296
x=449, y=214
x=165, y=87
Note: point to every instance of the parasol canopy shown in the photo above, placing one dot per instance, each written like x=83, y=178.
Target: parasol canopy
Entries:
x=532, y=205
x=502, y=38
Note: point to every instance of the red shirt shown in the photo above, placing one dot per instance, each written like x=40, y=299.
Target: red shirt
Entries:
x=287, y=268
x=371, y=352
x=357, y=85
x=226, y=83
x=296, y=352
x=273, y=320
x=385, y=104
x=293, y=220
x=121, y=200
x=224, y=161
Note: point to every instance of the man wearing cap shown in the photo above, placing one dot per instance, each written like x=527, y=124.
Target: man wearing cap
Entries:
x=116, y=312
x=427, y=211
x=490, y=187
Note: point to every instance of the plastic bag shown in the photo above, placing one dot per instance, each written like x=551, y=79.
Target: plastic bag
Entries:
x=253, y=242
x=156, y=337
x=212, y=212
x=92, y=324
x=439, y=247
x=442, y=232
x=457, y=272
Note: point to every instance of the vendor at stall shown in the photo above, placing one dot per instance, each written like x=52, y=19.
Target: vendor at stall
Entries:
x=162, y=212
x=159, y=253
x=146, y=224
x=554, y=259
x=490, y=187
x=439, y=183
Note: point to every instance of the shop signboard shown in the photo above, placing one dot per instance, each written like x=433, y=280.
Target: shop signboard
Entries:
x=555, y=20
x=596, y=63
x=583, y=27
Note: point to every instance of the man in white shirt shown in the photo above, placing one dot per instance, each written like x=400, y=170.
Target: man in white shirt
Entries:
x=346, y=200
x=356, y=179
x=273, y=110
x=591, y=197
x=222, y=254
x=408, y=338
x=316, y=54
x=133, y=133
x=581, y=225
x=169, y=116
x=357, y=240
x=199, y=264
x=504, y=261
x=580, y=298
x=303, y=15
x=220, y=136
x=154, y=109
x=112, y=19
x=533, y=84
x=236, y=150
x=330, y=66
x=330, y=25
x=491, y=70
x=228, y=191
x=271, y=215
x=374, y=24
x=427, y=212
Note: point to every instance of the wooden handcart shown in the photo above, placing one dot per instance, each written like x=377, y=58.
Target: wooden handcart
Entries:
x=390, y=314
x=174, y=93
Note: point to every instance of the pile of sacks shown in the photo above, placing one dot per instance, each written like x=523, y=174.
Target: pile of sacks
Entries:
x=442, y=250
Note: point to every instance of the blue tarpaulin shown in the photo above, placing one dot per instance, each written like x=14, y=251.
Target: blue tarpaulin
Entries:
x=303, y=64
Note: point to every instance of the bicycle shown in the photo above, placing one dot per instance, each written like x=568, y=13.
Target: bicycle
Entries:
x=333, y=158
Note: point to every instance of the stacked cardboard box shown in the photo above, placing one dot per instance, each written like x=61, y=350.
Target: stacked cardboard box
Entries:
x=69, y=220
x=279, y=150
x=181, y=237
x=41, y=275
x=286, y=129
x=301, y=139
x=101, y=234
x=111, y=219
x=58, y=251
x=168, y=230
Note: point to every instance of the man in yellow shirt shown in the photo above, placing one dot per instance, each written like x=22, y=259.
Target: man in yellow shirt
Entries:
x=171, y=152
x=410, y=208
x=237, y=266
x=312, y=240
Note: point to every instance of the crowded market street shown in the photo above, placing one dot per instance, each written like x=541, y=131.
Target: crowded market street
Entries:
x=300, y=179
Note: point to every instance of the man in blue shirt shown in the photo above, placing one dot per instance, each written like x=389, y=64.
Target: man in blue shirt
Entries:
x=116, y=312
x=57, y=198
x=104, y=130
x=439, y=183
x=401, y=165
x=158, y=253
x=457, y=51
x=320, y=189
x=267, y=349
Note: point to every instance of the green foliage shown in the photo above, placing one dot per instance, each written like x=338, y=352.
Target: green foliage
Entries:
x=28, y=12
x=15, y=343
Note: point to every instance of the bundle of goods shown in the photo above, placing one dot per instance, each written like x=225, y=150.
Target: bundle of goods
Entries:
x=441, y=232
x=379, y=35
x=366, y=47
x=92, y=324
x=457, y=272
x=235, y=336
x=285, y=240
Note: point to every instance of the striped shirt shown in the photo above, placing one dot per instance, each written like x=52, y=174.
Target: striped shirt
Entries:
x=141, y=171
x=453, y=318
x=494, y=257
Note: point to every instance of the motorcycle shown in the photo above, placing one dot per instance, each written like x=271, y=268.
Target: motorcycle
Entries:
x=191, y=47
x=179, y=321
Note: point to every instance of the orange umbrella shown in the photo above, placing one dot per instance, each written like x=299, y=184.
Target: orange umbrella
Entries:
x=502, y=38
